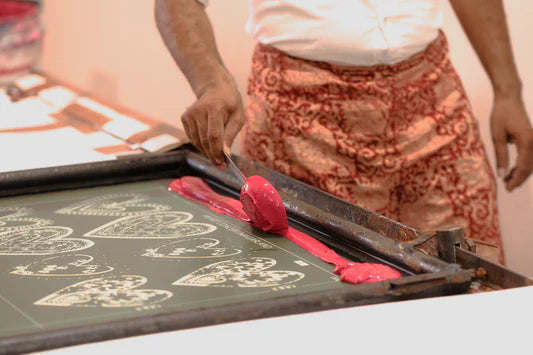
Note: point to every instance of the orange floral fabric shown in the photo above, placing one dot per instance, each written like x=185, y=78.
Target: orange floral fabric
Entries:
x=398, y=139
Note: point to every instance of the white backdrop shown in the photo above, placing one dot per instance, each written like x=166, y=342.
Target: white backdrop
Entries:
x=112, y=49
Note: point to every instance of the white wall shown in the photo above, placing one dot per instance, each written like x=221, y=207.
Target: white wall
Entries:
x=112, y=49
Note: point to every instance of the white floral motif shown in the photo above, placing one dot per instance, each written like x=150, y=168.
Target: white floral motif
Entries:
x=119, y=291
x=191, y=247
x=155, y=226
x=114, y=205
x=15, y=219
x=41, y=241
x=62, y=265
x=245, y=272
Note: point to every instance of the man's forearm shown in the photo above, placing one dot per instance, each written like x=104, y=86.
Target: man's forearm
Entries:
x=188, y=35
x=485, y=25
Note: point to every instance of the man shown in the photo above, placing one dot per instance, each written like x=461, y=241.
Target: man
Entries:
x=360, y=99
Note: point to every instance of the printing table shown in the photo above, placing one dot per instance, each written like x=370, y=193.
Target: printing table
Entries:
x=103, y=250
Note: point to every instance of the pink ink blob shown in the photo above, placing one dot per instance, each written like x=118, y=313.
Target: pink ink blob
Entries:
x=263, y=205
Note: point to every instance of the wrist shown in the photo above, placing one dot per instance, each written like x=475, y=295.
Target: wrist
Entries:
x=507, y=90
x=215, y=78
x=508, y=97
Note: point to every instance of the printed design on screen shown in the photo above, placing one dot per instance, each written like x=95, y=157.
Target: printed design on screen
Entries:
x=118, y=291
x=62, y=265
x=156, y=226
x=15, y=219
x=191, y=247
x=244, y=272
x=114, y=205
x=41, y=241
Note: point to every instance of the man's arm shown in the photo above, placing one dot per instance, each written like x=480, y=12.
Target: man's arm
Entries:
x=217, y=116
x=485, y=26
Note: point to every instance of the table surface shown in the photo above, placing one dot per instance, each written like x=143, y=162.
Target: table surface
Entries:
x=71, y=127
x=497, y=322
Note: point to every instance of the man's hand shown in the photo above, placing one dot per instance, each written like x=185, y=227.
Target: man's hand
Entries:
x=509, y=123
x=214, y=119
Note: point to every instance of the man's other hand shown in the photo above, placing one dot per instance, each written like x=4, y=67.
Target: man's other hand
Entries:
x=509, y=123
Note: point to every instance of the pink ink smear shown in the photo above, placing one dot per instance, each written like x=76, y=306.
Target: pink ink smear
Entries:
x=262, y=207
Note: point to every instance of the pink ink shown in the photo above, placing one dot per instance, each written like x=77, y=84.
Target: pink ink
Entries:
x=262, y=207
x=262, y=203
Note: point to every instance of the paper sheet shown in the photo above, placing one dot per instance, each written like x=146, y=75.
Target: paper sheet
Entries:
x=30, y=81
x=56, y=147
x=28, y=112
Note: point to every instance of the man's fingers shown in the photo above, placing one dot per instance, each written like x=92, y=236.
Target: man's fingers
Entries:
x=524, y=165
x=190, y=120
x=234, y=125
x=502, y=154
x=516, y=178
x=202, y=124
x=215, y=134
x=186, y=126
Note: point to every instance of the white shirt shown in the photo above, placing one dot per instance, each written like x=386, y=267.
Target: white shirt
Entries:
x=346, y=32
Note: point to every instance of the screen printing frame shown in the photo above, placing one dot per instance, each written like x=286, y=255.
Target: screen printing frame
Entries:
x=430, y=276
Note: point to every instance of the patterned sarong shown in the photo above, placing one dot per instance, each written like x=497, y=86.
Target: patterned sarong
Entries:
x=398, y=139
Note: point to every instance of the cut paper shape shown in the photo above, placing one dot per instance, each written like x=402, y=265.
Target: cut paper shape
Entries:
x=191, y=248
x=13, y=219
x=124, y=126
x=114, y=205
x=121, y=126
x=58, y=96
x=30, y=81
x=62, y=265
x=41, y=241
x=154, y=226
x=164, y=142
x=244, y=272
x=119, y=291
